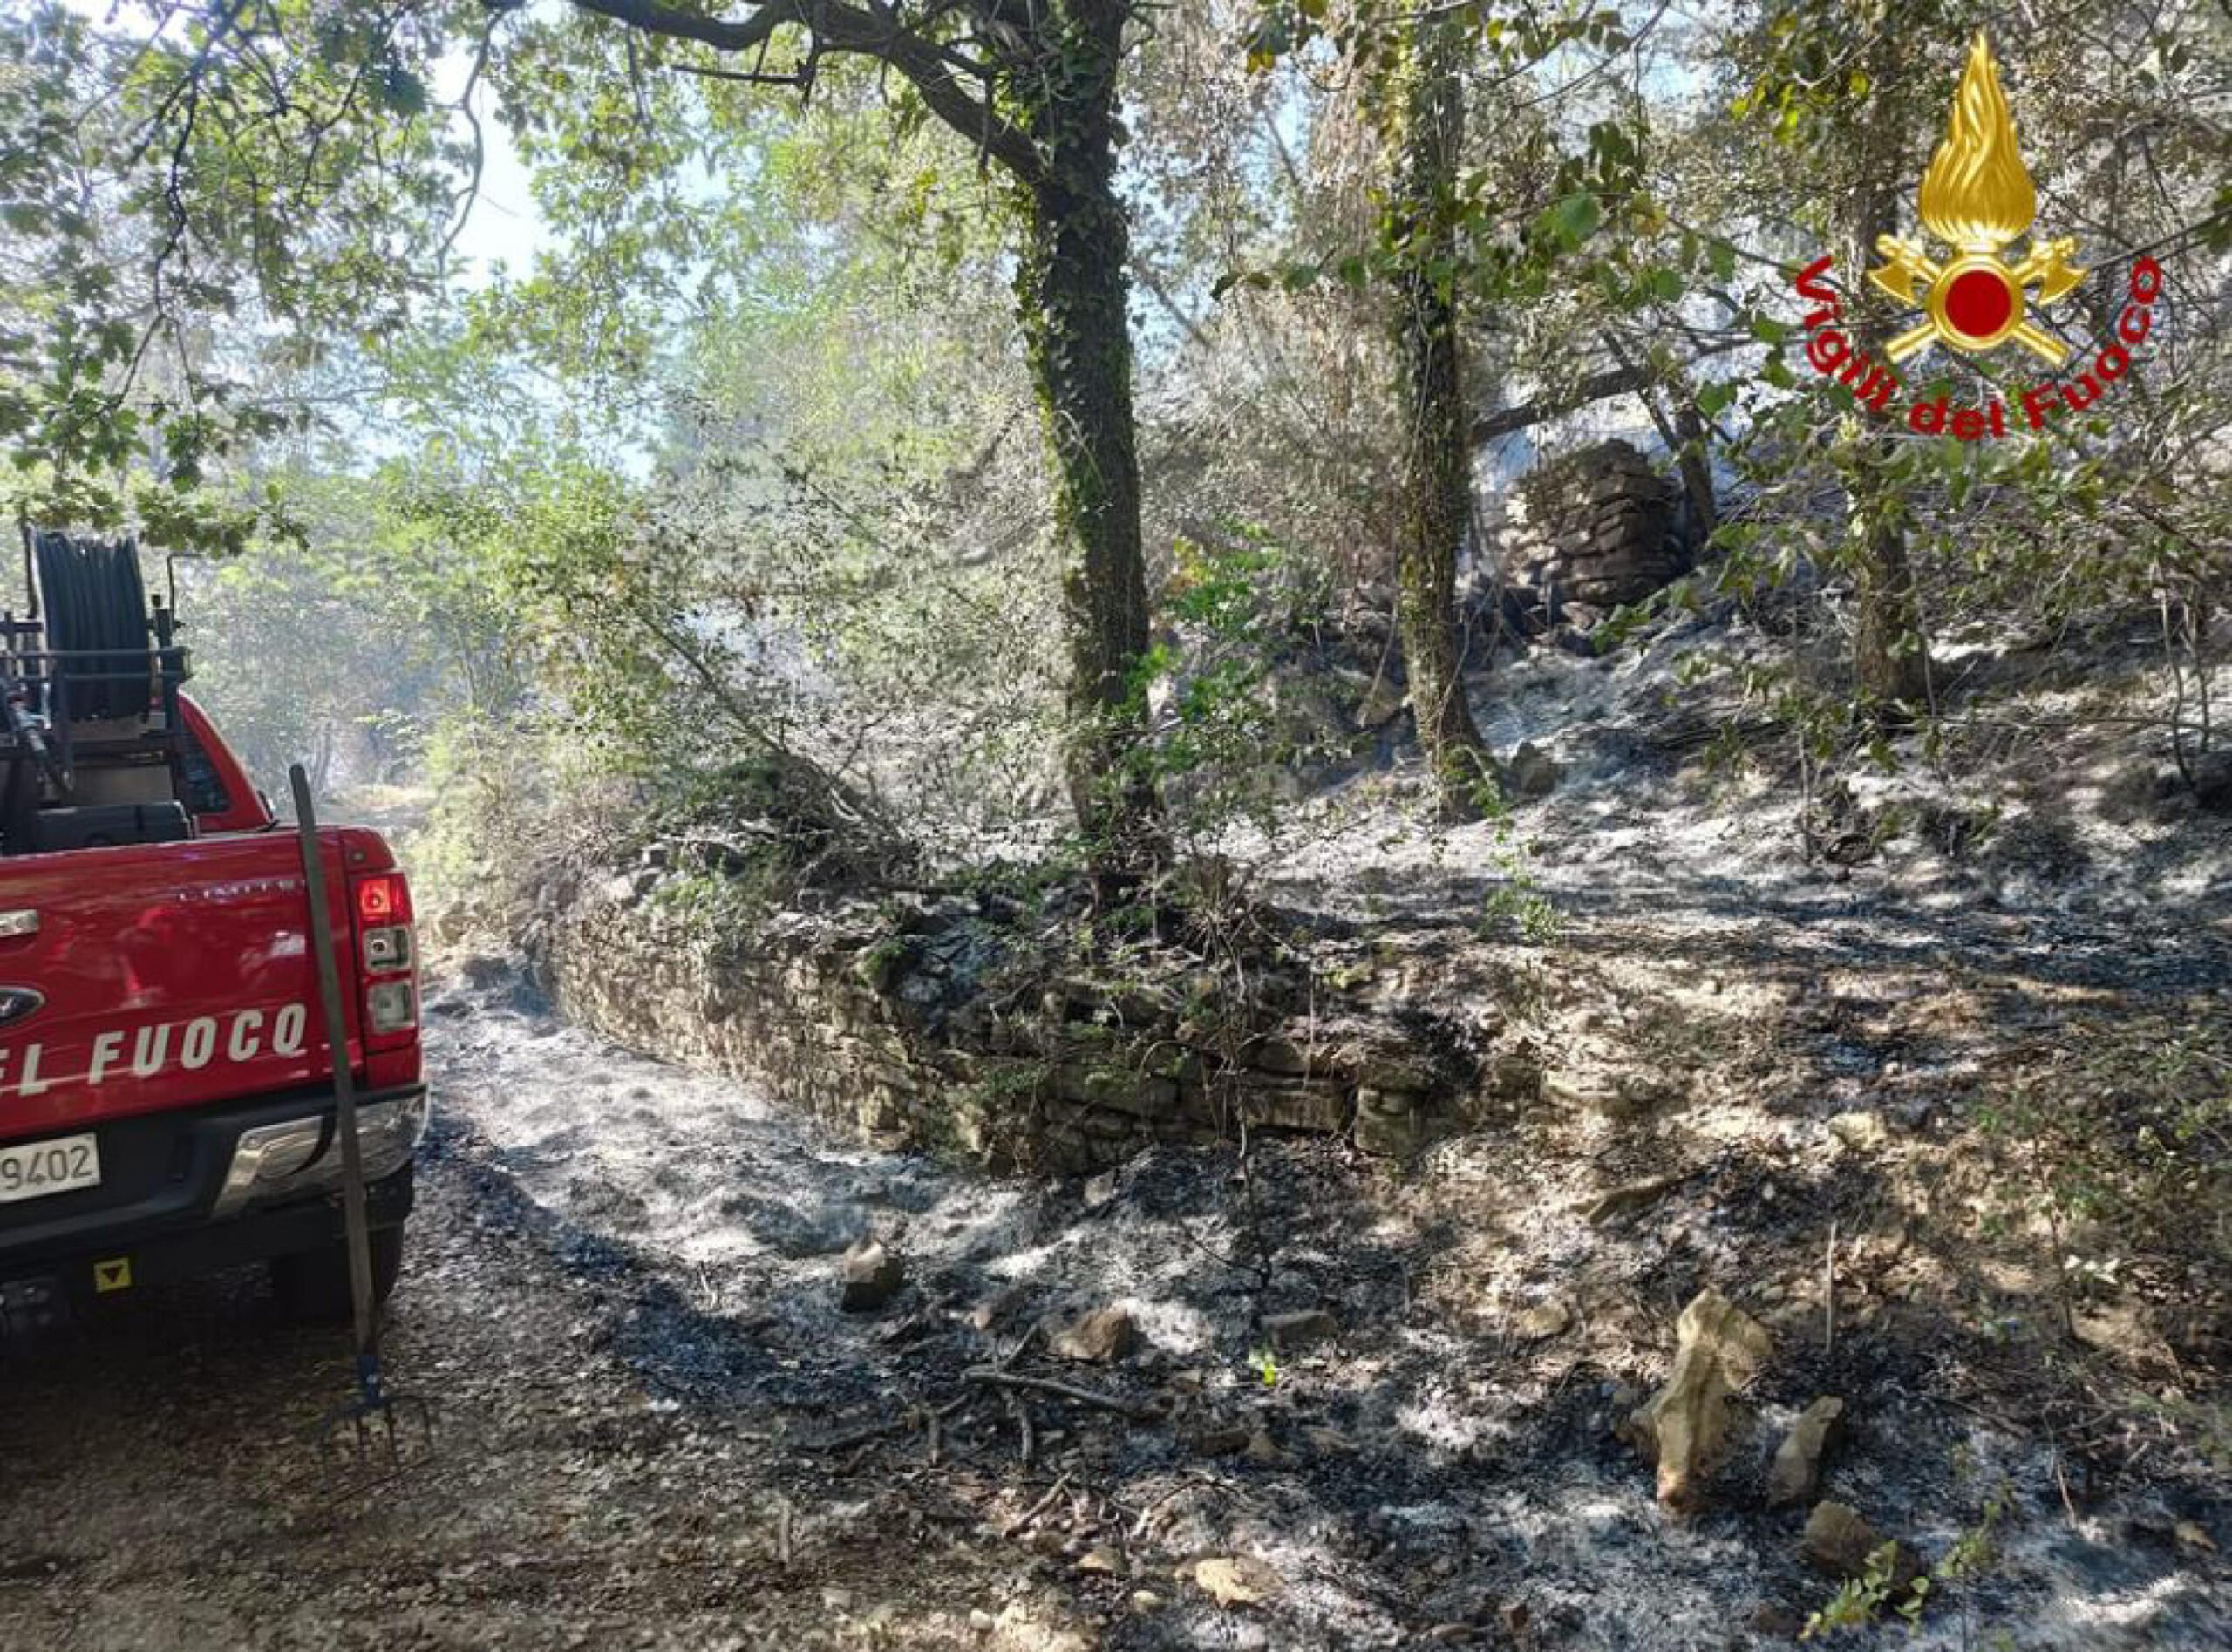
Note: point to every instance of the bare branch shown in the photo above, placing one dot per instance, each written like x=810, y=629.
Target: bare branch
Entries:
x=1597, y=387
x=938, y=73
x=471, y=193
x=741, y=76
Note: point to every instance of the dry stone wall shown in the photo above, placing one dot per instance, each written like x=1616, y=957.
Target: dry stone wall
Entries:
x=1594, y=528
x=915, y=1021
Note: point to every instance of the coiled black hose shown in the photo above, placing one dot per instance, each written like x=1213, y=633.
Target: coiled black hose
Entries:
x=95, y=606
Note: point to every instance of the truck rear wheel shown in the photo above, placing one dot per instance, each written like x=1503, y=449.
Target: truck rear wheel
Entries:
x=314, y=1284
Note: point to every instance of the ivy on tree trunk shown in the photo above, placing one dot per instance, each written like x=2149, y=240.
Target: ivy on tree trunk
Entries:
x=1421, y=111
x=1072, y=296
x=1890, y=655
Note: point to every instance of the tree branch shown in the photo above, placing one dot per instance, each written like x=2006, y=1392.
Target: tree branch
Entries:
x=872, y=32
x=471, y=193
x=720, y=33
x=1597, y=387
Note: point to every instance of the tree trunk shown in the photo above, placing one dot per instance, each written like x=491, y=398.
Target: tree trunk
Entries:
x=1890, y=655
x=1073, y=294
x=1423, y=123
x=1694, y=458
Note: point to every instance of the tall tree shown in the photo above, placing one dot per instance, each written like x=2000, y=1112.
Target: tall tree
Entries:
x=1850, y=92
x=1408, y=64
x=1890, y=652
x=1454, y=245
x=1033, y=85
x=1418, y=94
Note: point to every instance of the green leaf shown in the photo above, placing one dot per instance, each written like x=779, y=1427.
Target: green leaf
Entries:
x=403, y=91
x=1571, y=221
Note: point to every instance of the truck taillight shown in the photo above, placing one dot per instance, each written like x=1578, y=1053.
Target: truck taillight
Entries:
x=382, y=898
x=381, y=902
x=392, y=1006
x=387, y=948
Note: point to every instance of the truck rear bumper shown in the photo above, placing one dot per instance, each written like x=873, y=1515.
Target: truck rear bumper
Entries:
x=33, y=1289
x=152, y=1222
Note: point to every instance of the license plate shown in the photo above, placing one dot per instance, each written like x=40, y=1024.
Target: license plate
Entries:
x=34, y=1169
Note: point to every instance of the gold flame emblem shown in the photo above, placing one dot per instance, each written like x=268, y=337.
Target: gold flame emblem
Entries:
x=1976, y=197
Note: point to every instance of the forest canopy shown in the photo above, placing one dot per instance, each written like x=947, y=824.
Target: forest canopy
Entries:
x=973, y=400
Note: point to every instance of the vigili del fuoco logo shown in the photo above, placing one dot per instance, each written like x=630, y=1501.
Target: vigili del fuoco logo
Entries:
x=1977, y=199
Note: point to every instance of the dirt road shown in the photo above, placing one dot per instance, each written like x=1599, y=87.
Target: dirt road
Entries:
x=658, y=1430
x=164, y=1489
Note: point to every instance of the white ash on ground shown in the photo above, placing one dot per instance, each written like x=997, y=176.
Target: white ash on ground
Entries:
x=623, y=1292
x=1379, y=1401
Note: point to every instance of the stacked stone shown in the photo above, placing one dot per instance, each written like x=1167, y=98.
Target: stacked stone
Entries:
x=878, y=1029
x=1596, y=526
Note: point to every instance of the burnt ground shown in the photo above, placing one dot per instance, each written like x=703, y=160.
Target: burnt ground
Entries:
x=622, y=1294
x=1851, y=1084
x=602, y=1473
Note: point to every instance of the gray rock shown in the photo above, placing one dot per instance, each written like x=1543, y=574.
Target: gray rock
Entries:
x=1301, y=1328
x=1281, y=1055
x=483, y=971
x=2213, y=782
x=1860, y=1129
x=1116, y=1088
x=1288, y=1104
x=871, y=1276
x=1391, y=1123
x=1542, y=1321
x=1531, y=772
x=1236, y=1580
x=1838, y=1543
x=1100, y=1336
x=1264, y=1450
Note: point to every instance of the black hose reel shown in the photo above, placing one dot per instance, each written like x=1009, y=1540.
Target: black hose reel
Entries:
x=95, y=609
x=93, y=745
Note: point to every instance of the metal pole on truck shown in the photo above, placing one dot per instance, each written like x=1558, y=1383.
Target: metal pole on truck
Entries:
x=373, y=1398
